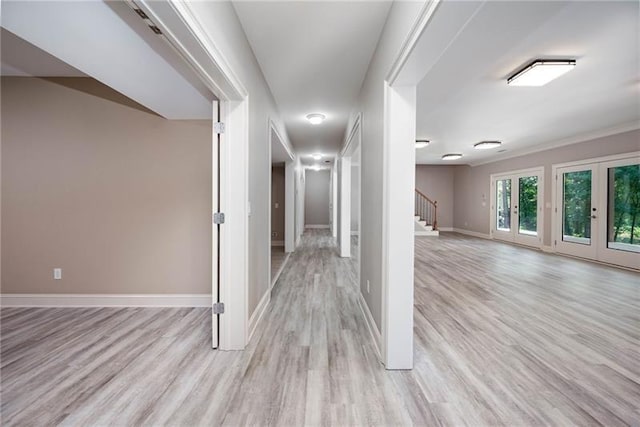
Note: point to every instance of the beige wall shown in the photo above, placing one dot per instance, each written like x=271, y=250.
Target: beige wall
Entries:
x=436, y=182
x=316, y=200
x=277, y=197
x=472, y=183
x=116, y=196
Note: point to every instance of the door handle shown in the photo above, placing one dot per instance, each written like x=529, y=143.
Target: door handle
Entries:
x=593, y=216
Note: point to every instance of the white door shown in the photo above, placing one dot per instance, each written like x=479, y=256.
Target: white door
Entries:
x=516, y=207
x=577, y=210
x=597, y=214
x=619, y=228
x=215, y=238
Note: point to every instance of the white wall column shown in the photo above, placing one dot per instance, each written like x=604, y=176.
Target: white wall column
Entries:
x=398, y=228
x=289, y=206
x=345, y=206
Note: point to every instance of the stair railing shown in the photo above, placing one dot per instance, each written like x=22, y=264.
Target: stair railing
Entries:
x=426, y=209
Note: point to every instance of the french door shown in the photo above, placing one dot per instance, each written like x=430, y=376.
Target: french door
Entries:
x=516, y=207
x=597, y=211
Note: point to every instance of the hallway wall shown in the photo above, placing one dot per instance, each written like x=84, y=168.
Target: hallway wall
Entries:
x=222, y=25
x=95, y=184
x=316, y=202
x=371, y=104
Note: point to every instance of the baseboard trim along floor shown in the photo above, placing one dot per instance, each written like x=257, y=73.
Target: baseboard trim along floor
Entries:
x=105, y=300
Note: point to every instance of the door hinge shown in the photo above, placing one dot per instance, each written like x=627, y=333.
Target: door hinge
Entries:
x=218, y=218
x=218, y=308
x=555, y=243
x=218, y=127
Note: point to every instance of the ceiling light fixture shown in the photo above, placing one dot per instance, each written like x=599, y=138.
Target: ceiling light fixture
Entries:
x=317, y=156
x=316, y=118
x=486, y=145
x=452, y=156
x=421, y=143
x=540, y=72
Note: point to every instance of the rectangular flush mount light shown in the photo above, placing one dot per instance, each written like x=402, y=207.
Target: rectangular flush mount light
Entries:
x=540, y=72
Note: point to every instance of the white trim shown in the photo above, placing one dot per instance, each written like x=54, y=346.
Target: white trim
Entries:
x=277, y=243
x=472, y=233
x=548, y=249
x=613, y=157
x=344, y=238
x=355, y=233
x=258, y=313
x=427, y=233
x=585, y=137
x=348, y=147
x=105, y=300
x=446, y=229
x=411, y=40
x=316, y=226
x=371, y=324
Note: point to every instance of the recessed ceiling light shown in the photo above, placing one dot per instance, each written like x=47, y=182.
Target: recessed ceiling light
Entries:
x=316, y=118
x=452, y=156
x=317, y=156
x=486, y=145
x=540, y=72
x=421, y=143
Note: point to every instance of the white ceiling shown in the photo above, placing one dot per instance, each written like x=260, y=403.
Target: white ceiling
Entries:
x=20, y=58
x=109, y=42
x=470, y=48
x=314, y=55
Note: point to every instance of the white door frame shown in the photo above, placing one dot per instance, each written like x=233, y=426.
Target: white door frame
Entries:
x=353, y=143
x=184, y=33
x=288, y=198
x=513, y=235
x=599, y=237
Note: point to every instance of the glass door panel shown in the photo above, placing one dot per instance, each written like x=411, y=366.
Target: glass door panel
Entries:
x=623, y=208
x=576, y=207
x=503, y=205
x=528, y=205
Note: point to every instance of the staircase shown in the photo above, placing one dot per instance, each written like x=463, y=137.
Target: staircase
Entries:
x=426, y=218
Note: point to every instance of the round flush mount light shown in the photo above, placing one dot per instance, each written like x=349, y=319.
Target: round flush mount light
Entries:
x=487, y=145
x=316, y=118
x=316, y=156
x=452, y=156
x=421, y=143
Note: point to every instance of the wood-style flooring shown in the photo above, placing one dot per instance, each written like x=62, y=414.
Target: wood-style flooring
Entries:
x=504, y=336
x=278, y=258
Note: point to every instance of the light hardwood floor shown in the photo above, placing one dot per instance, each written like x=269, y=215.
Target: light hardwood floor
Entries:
x=504, y=336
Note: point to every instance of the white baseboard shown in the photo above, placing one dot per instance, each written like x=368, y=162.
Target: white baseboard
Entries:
x=277, y=243
x=471, y=233
x=371, y=324
x=548, y=249
x=316, y=226
x=105, y=300
x=258, y=313
x=445, y=228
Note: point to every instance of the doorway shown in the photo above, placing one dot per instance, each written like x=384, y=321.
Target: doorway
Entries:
x=517, y=206
x=597, y=210
x=281, y=202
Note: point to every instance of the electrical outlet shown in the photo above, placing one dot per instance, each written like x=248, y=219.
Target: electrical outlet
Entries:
x=277, y=205
x=368, y=288
x=57, y=274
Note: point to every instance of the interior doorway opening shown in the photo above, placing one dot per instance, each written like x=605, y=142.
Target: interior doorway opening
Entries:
x=281, y=201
